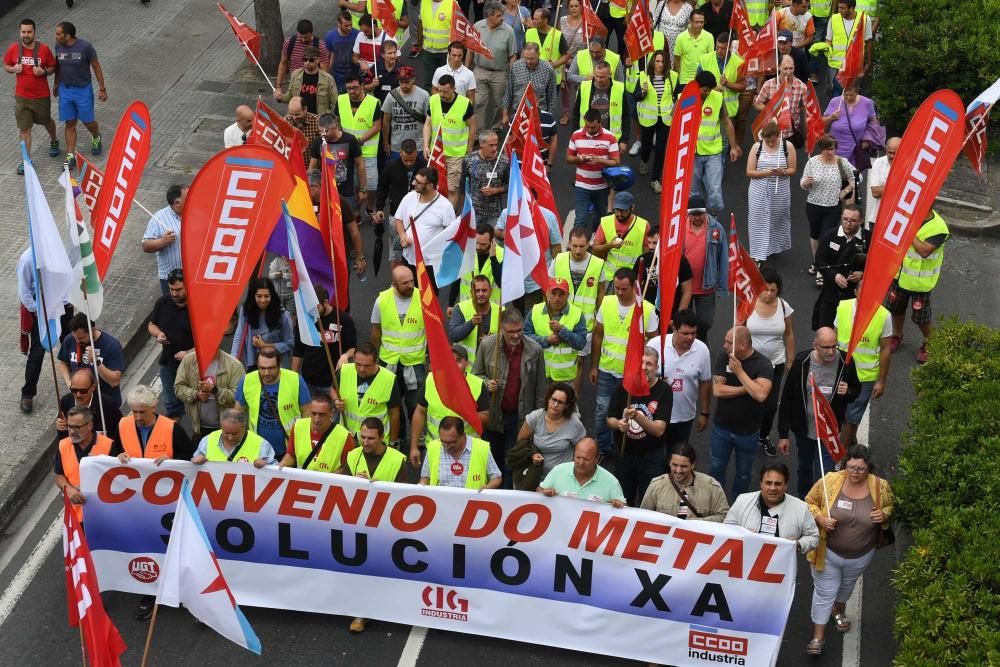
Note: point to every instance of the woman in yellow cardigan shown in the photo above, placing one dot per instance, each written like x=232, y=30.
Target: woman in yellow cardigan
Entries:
x=850, y=507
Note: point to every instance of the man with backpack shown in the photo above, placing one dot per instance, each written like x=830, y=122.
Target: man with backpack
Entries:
x=32, y=63
x=291, y=53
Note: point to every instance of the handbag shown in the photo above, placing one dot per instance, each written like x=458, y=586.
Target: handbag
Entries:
x=886, y=536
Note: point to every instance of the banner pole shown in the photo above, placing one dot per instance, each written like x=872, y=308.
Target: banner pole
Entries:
x=149, y=635
x=48, y=334
x=329, y=358
x=507, y=136
x=83, y=644
x=819, y=450
x=336, y=298
x=97, y=377
x=267, y=79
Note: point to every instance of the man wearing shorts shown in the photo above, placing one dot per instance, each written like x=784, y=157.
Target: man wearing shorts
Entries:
x=31, y=62
x=72, y=85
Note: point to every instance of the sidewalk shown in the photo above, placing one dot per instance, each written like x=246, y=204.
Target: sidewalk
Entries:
x=180, y=57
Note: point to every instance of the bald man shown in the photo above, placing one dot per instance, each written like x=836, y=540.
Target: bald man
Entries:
x=237, y=133
x=741, y=382
x=877, y=176
x=582, y=478
x=305, y=122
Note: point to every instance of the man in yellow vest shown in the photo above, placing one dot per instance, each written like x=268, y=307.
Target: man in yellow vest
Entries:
x=586, y=61
x=839, y=35
x=234, y=443
x=361, y=116
x=607, y=97
x=611, y=329
x=488, y=258
x=560, y=329
x=732, y=84
x=147, y=435
x=583, y=273
x=316, y=443
x=459, y=461
x=436, y=17
x=917, y=277
x=273, y=398
x=82, y=441
x=368, y=390
x=430, y=410
x=708, y=161
x=554, y=48
x=474, y=319
x=871, y=359
x=620, y=236
x=453, y=116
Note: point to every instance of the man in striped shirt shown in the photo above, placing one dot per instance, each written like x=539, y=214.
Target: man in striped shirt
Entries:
x=591, y=149
x=163, y=235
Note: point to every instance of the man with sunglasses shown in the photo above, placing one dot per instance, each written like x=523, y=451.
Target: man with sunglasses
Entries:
x=83, y=392
x=83, y=440
x=317, y=88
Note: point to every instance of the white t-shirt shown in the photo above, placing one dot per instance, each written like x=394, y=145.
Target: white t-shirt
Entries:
x=429, y=223
x=683, y=373
x=465, y=80
x=768, y=332
x=402, y=306
x=368, y=49
x=233, y=136
x=877, y=175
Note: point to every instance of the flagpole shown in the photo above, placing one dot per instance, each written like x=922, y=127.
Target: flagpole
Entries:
x=93, y=359
x=257, y=63
x=374, y=54
x=333, y=262
x=981, y=120
x=149, y=635
x=819, y=448
x=83, y=644
x=504, y=144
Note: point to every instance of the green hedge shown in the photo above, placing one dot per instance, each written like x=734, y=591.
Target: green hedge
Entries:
x=926, y=45
x=948, y=491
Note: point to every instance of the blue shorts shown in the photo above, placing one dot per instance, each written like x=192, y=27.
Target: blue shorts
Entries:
x=856, y=408
x=76, y=103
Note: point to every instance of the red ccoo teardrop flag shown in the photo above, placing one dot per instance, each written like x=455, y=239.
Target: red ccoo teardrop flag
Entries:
x=463, y=31
x=745, y=281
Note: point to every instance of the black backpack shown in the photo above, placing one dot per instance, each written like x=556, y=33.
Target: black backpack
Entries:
x=293, y=40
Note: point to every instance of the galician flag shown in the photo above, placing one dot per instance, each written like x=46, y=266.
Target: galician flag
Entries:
x=306, y=302
x=521, y=248
x=190, y=575
x=87, y=293
x=54, y=274
x=452, y=252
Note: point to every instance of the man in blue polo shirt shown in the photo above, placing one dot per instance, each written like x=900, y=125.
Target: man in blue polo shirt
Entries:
x=74, y=60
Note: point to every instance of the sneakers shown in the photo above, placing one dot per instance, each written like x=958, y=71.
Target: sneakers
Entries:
x=96, y=145
x=54, y=148
x=358, y=624
x=894, y=342
x=657, y=188
x=922, y=355
x=768, y=447
x=636, y=147
x=20, y=169
x=415, y=51
x=811, y=270
x=819, y=279
x=70, y=161
x=27, y=404
x=643, y=168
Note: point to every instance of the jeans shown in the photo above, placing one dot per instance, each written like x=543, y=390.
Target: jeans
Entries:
x=431, y=61
x=171, y=404
x=678, y=432
x=809, y=471
x=722, y=444
x=835, y=583
x=164, y=287
x=707, y=181
x=635, y=473
x=502, y=443
x=606, y=386
x=703, y=306
x=584, y=199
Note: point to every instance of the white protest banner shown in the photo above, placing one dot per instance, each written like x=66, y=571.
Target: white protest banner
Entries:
x=557, y=571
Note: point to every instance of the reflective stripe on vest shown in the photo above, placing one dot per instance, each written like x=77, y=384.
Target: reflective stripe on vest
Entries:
x=709, y=132
x=288, y=398
x=159, y=443
x=560, y=360
x=387, y=469
x=821, y=9
x=710, y=63
x=921, y=274
x=476, y=477
x=249, y=452
x=404, y=343
x=585, y=64
x=866, y=354
x=357, y=123
x=841, y=39
x=617, y=97
x=71, y=467
x=626, y=255
x=465, y=286
x=869, y=7
x=471, y=342
x=758, y=11
x=616, y=336
x=328, y=459
x=649, y=108
x=436, y=410
x=585, y=297
x=549, y=50
x=454, y=130
x=436, y=23
x=374, y=403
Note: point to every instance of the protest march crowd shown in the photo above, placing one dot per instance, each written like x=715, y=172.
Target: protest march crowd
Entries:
x=492, y=319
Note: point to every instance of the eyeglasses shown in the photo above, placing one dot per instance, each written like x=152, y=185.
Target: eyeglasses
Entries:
x=80, y=390
x=557, y=401
x=843, y=219
x=860, y=469
x=310, y=60
x=353, y=89
x=70, y=427
x=825, y=347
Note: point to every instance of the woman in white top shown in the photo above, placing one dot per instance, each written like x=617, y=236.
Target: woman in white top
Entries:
x=671, y=17
x=772, y=333
x=571, y=27
x=824, y=178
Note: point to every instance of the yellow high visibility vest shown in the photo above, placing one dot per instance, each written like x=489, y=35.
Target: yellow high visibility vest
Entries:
x=549, y=49
x=436, y=410
x=649, y=108
x=477, y=475
x=403, y=343
x=841, y=40
x=560, y=360
x=248, y=453
x=471, y=342
x=617, y=105
x=710, y=130
x=616, y=335
x=585, y=296
x=585, y=64
x=360, y=122
x=374, y=403
x=758, y=11
x=388, y=467
x=628, y=254
x=866, y=354
x=454, y=130
x=465, y=286
x=710, y=63
x=436, y=24
x=328, y=458
x=921, y=274
x=288, y=398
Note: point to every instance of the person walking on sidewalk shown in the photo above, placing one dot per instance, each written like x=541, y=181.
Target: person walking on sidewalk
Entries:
x=31, y=62
x=74, y=60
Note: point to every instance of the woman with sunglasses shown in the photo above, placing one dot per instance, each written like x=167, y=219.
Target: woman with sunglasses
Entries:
x=850, y=506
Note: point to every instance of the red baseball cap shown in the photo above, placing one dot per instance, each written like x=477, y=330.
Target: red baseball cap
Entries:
x=558, y=283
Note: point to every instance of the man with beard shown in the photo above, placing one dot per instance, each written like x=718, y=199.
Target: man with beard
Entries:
x=684, y=493
x=170, y=325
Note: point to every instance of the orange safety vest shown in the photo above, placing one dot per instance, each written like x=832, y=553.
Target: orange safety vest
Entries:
x=160, y=441
x=71, y=467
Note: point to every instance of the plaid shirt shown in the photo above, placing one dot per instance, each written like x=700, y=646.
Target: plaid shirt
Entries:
x=796, y=93
x=478, y=170
x=543, y=78
x=446, y=477
x=309, y=127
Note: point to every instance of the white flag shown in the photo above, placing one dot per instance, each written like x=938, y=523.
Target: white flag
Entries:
x=190, y=575
x=306, y=302
x=521, y=251
x=87, y=293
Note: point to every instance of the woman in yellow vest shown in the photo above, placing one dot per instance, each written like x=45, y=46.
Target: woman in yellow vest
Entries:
x=458, y=460
x=654, y=108
x=234, y=443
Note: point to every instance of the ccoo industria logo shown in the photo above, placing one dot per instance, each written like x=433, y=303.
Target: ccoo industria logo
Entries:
x=710, y=645
x=441, y=602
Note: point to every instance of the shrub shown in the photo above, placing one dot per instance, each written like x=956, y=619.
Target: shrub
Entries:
x=948, y=489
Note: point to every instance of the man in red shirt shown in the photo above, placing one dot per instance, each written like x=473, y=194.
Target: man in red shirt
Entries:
x=32, y=63
x=591, y=148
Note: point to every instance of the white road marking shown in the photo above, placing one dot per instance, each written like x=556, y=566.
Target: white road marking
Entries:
x=411, y=651
x=851, y=656
x=30, y=568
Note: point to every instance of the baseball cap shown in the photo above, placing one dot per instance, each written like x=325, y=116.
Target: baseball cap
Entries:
x=407, y=72
x=624, y=200
x=784, y=35
x=558, y=283
x=696, y=204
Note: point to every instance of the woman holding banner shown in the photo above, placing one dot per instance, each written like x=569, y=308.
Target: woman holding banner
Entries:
x=852, y=508
x=554, y=430
x=263, y=323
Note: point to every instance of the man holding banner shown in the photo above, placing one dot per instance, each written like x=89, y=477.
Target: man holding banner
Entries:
x=455, y=459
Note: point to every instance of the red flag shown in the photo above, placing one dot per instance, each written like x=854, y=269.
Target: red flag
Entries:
x=331, y=227
x=678, y=165
x=827, y=429
x=525, y=123
x=815, y=128
x=762, y=56
x=778, y=108
x=126, y=160
x=540, y=271
x=976, y=122
x=230, y=210
x=271, y=129
x=436, y=159
x=537, y=179
x=854, y=60
x=384, y=12
x=104, y=645
x=592, y=24
x=925, y=156
x=451, y=385
x=634, y=379
x=465, y=32
x=745, y=281
x=247, y=36
x=739, y=23
x=90, y=178
x=639, y=32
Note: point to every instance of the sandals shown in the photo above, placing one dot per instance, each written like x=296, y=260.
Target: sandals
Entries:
x=815, y=647
x=564, y=120
x=819, y=279
x=843, y=623
x=811, y=270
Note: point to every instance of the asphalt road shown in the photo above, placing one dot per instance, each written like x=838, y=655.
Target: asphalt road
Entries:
x=33, y=628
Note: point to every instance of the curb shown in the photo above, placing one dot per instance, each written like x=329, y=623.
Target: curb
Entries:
x=968, y=219
x=32, y=472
